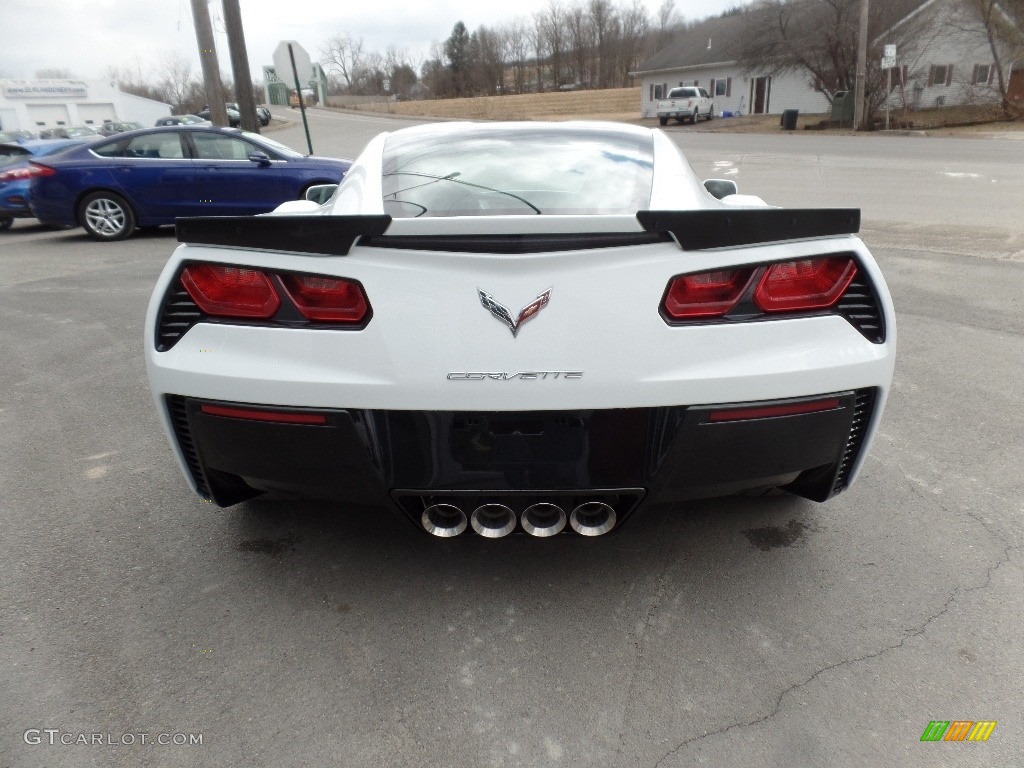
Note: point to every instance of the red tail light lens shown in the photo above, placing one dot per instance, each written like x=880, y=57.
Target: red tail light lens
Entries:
x=327, y=299
x=772, y=411
x=706, y=294
x=231, y=291
x=15, y=174
x=252, y=414
x=35, y=169
x=805, y=284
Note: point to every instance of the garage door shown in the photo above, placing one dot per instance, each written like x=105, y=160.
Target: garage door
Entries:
x=95, y=114
x=47, y=115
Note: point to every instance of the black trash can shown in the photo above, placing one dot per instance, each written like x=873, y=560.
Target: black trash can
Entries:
x=789, y=117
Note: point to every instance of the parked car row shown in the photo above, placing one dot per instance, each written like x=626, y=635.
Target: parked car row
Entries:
x=152, y=176
x=235, y=114
x=112, y=127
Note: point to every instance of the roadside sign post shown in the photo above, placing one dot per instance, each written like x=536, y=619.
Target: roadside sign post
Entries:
x=888, y=62
x=290, y=55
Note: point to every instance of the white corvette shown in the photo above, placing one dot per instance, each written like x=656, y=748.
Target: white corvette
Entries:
x=521, y=326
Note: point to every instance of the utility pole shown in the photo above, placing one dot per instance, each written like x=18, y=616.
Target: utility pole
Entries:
x=859, y=110
x=240, y=66
x=208, y=58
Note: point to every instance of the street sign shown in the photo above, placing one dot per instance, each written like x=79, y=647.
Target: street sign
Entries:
x=289, y=56
x=888, y=62
x=283, y=63
x=890, y=52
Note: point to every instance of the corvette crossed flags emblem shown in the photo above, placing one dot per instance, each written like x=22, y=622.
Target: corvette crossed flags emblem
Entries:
x=502, y=313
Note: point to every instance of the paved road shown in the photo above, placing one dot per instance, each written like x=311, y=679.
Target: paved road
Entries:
x=738, y=632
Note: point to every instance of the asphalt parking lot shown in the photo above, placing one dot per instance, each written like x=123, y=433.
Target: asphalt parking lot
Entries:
x=736, y=632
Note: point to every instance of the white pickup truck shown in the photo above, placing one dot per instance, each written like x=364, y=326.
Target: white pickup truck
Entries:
x=686, y=103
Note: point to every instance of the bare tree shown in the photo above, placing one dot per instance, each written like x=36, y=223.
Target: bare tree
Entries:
x=667, y=19
x=581, y=44
x=517, y=52
x=635, y=27
x=553, y=20
x=603, y=22
x=343, y=56
x=1002, y=29
x=819, y=37
x=536, y=32
x=175, y=79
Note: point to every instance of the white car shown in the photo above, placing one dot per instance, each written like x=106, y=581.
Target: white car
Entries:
x=686, y=103
x=521, y=326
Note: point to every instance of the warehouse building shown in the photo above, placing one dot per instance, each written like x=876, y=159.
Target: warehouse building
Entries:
x=35, y=105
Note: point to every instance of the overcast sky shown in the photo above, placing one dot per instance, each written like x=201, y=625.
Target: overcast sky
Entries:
x=86, y=36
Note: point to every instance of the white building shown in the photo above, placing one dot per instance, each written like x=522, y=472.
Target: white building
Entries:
x=34, y=105
x=943, y=57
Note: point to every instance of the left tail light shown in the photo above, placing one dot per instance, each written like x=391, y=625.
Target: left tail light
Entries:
x=220, y=290
x=230, y=291
x=15, y=174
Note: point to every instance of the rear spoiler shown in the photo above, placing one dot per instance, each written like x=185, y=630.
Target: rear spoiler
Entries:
x=698, y=230
x=693, y=230
x=326, y=235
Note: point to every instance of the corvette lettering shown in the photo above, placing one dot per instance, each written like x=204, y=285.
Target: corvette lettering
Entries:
x=502, y=313
x=521, y=375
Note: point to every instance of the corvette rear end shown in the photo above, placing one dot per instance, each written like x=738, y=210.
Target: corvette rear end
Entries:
x=521, y=327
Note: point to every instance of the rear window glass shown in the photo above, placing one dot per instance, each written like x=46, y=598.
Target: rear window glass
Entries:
x=519, y=172
x=683, y=93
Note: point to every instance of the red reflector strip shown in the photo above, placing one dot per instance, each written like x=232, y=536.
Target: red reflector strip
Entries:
x=280, y=417
x=770, y=411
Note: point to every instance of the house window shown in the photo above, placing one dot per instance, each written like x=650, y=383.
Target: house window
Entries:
x=898, y=76
x=695, y=83
x=940, y=74
x=983, y=74
x=657, y=92
x=723, y=87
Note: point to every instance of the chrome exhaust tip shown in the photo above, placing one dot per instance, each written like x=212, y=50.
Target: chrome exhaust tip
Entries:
x=543, y=519
x=444, y=520
x=592, y=518
x=493, y=520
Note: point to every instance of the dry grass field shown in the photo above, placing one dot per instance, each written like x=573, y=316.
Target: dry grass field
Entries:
x=614, y=104
x=623, y=105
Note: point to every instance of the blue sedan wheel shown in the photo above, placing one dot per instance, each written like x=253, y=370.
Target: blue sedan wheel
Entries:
x=6, y=223
x=106, y=216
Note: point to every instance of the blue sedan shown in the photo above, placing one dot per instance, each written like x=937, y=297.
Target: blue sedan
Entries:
x=15, y=174
x=153, y=176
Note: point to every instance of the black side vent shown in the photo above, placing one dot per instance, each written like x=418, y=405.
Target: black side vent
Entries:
x=863, y=407
x=179, y=313
x=179, y=420
x=859, y=305
x=513, y=244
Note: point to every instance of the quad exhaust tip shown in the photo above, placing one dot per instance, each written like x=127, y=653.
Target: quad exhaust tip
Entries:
x=543, y=519
x=493, y=520
x=444, y=520
x=592, y=518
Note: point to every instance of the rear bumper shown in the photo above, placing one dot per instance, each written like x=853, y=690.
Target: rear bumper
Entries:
x=14, y=202
x=665, y=454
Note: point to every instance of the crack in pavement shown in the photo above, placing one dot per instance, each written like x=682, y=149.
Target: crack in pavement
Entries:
x=640, y=634
x=910, y=633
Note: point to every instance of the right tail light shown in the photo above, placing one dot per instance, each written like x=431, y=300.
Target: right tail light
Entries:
x=744, y=293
